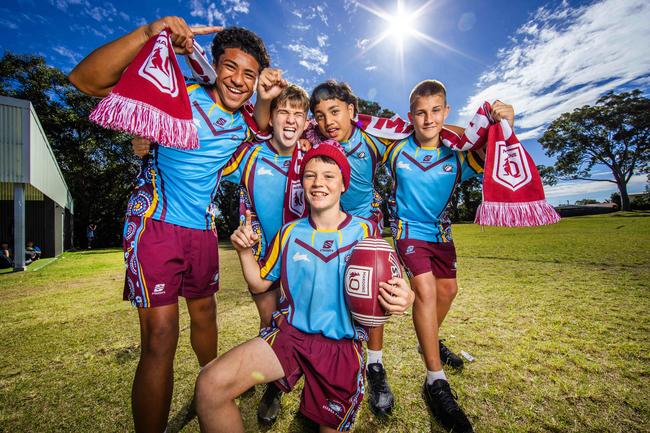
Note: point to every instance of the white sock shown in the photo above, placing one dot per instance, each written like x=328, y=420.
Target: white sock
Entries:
x=374, y=356
x=435, y=375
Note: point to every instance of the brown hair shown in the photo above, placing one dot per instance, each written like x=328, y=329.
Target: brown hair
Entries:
x=427, y=88
x=294, y=95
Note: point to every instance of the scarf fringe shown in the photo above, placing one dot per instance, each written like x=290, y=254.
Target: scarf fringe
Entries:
x=524, y=214
x=139, y=118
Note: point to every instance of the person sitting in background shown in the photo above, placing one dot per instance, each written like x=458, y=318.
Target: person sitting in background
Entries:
x=5, y=257
x=32, y=252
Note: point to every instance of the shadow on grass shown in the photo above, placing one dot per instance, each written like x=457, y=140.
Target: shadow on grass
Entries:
x=182, y=418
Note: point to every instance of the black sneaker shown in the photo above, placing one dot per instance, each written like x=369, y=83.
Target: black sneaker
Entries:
x=381, y=398
x=447, y=357
x=441, y=401
x=270, y=404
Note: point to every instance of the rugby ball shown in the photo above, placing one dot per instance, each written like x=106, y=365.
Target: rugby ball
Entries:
x=372, y=261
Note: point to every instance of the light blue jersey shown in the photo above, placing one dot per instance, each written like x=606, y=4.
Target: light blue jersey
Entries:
x=262, y=173
x=424, y=180
x=311, y=266
x=364, y=154
x=179, y=186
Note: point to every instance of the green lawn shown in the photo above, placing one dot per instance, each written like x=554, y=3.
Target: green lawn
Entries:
x=558, y=319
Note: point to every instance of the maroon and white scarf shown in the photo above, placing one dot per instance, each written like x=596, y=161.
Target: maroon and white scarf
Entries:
x=513, y=195
x=150, y=99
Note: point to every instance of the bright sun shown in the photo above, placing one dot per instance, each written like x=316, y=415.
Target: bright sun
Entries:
x=400, y=26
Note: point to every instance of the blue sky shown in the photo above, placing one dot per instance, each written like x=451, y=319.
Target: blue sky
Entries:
x=544, y=57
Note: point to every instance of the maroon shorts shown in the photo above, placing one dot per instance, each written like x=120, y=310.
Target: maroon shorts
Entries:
x=164, y=261
x=333, y=369
x=419, y=257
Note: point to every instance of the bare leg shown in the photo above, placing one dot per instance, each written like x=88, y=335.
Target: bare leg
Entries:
x=266, y=304
x=227, y=377
x=154, y=378
x=446, y=290
x=203, y=328
x=376, y=338
x=425, y=319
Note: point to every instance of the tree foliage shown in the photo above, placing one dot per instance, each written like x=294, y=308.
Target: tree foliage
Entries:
x=97, y=164
x=614, y=133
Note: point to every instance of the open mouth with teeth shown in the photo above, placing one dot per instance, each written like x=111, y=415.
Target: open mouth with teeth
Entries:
x=234, y=90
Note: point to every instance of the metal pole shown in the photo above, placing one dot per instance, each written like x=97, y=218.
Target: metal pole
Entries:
x=19, y=227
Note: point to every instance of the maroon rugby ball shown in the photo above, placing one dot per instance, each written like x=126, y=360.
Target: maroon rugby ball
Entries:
x=372, y=261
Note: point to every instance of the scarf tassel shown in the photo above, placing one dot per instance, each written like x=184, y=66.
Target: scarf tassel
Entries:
x=524, y=214
x=139, y=118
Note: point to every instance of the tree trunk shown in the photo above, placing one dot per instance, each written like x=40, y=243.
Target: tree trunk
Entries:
x=625, y=199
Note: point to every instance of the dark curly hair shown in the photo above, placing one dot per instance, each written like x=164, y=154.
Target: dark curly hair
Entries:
x=332, y=89
x=245, y=40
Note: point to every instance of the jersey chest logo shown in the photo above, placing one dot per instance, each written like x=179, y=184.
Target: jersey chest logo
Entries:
x=325, y=257
x=423, y=166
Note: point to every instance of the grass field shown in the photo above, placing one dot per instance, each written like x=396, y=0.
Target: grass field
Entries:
x=558, y=319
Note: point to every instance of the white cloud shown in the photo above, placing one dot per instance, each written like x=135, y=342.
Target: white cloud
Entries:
x=322, y=40
x=8, y=24
x=70, y=55
x=208, y=12
x=297, y=13
x=302, y=27
x=362, y=43
x=63, y=5
x=567, y=57
x=370, y=68
x=577, y=189
x=238, y=6
x=313, y=59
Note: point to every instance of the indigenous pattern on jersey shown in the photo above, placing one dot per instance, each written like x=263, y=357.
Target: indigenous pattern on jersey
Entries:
x=311, y=265
x=178, y=186
x=262, y=172
x=424, y=179
x=364, y=153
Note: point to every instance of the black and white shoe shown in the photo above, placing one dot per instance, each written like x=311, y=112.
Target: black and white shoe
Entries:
x=270, y=404
x=447, y=357
x=380, y=398
x=441, y=401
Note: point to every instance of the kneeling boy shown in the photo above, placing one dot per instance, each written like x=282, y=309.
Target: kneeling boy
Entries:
x=313, y=333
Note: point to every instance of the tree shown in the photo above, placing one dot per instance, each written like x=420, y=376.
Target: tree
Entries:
x=614, y=133
x=97, y=164
x=586, y=201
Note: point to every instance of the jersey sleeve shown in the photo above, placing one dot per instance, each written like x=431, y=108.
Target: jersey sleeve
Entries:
x=472, y=164
x=234, y=169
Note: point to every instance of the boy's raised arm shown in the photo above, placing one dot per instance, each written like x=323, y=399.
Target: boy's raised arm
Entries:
x=269, y=86
x=243, y=240
x=101, y=70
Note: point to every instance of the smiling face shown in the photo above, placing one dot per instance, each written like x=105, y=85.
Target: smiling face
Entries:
x=237, y=74
x=288, y=122
x=334, y=119
x=322, y=182
x=428, y=114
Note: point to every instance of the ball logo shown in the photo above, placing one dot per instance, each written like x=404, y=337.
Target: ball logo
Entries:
x=427, y=158
x=511, y=166
x=395, y=270
x=158, y=69
x=357, y=281
x=447, y=168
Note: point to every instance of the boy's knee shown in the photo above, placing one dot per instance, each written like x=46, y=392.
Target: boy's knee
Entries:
x=160, y=341
x=212, y=387
x=447, y=291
